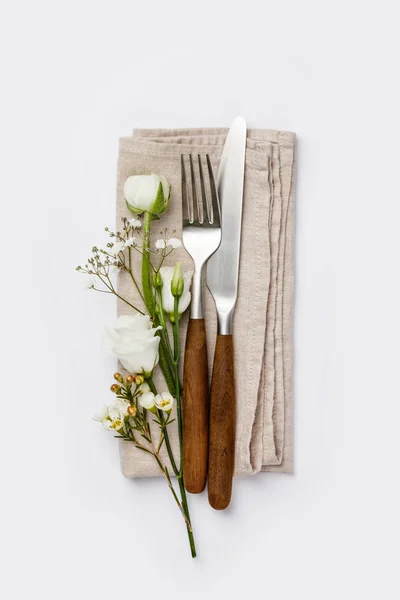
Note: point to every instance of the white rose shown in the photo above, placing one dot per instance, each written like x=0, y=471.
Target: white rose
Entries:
x=132, y=339
x=150, y=193
x=166, y=293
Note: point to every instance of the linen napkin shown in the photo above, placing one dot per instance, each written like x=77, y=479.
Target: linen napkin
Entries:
x=262, y=327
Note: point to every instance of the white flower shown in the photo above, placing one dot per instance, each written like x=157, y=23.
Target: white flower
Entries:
x=174, y=243
x=164, y=401
x=122, y=406
x=131, y=241
x=160, y=244
x=101, y=414
x=132, y=339
x=143, y=388
x=166, y=294
x=117, y=424
x=117, y=248
x=149, y=193
x=90, y=282
x=112, y=417
x=107, y=424
x=135, y=223
x=147, y=401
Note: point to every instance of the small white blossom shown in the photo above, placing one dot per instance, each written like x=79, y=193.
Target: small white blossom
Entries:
x=122, y=406
x=174, y=243
x=160, y=244
x=117, y=248
x=131, y=241
x=90, y=282
x=164, y=401
x=112, y=417
x=147, y=401
x=135, y=223
x=101, y=414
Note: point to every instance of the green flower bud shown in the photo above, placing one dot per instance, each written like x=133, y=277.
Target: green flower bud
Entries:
x=157, y=281
x=177, y=282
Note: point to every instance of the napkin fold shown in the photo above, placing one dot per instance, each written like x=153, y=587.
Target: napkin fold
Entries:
x=262, y=326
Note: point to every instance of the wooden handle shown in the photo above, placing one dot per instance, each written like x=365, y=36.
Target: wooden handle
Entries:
x=195, y=408
x=222, y=425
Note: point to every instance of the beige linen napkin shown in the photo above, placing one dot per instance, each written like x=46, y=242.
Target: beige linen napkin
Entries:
x=263, y=316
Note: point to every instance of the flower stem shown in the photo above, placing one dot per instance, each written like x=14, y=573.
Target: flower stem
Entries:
x=146, y=267
x=166, y=436
x=178, y=473
x=165, y=366
x=186, y=511
x=177, y=350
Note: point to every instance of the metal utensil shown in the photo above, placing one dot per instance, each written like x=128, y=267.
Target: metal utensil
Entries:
x=222, y=281
x=201, y=237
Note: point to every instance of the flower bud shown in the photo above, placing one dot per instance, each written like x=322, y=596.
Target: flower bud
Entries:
x=115, y=388
x=129, y=379
x=147, y=193
x=132, y=411
x=157, y=280
x=147, y=401
x=177, y=282
x=144, y=388
x=138, y=379
x=118, y=377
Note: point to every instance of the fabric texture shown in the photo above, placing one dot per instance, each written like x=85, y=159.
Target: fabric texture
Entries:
x=262, y=326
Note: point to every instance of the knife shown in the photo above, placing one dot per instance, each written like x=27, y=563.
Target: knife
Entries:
x=222, y=281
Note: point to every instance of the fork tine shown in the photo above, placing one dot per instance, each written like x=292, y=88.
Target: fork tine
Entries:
x=215, y=216
x=185, y=199
x=203, y=191
x=194, y=195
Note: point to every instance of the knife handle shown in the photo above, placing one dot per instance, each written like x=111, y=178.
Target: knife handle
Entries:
x=222, y=425
x=195, y=408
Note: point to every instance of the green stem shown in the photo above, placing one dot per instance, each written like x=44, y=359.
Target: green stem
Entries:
x=166, y=436
x=181, y=482
x=179, y=474
x=177, y=351
x=186, y=511
x=146, y=267
x=166, y=366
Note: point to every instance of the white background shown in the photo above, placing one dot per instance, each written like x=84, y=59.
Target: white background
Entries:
x=77, y=75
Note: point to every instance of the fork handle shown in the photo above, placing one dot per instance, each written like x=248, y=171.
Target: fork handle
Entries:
x=222, y=425
x=195, y=405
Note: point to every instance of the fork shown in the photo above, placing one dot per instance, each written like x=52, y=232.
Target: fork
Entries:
x=201, y=221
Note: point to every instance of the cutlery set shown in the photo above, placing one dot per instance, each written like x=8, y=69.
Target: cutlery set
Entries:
x=212, y=221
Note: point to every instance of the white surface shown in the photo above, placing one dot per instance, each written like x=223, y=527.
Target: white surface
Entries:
x=77, y=75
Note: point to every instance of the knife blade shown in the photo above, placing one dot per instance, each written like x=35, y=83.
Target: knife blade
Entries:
x=222, y=281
